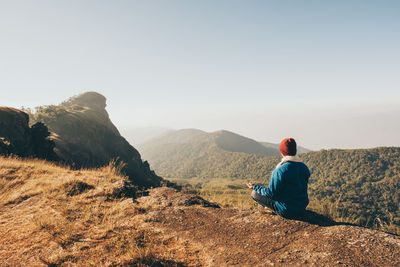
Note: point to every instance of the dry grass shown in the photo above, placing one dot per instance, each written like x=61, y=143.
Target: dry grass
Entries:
x=227, y=192
x=52, y=215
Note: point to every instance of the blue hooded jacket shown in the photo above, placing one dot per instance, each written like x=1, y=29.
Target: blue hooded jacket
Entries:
x=288, y=187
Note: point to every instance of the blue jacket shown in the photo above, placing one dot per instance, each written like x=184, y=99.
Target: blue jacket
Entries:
x=288, y=187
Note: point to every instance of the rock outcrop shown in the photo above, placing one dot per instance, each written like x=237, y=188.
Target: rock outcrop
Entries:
x=85, y=137
x=17, y=138
x=15, y=135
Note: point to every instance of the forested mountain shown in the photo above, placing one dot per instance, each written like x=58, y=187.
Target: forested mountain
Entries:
x=189, y=151
x=362, y=184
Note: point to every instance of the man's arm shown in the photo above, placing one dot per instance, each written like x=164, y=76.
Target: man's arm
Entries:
x=275, y=185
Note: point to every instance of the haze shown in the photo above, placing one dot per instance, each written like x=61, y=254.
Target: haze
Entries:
x=325, y=73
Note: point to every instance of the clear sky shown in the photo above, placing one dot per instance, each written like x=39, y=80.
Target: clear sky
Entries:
x=324, y=72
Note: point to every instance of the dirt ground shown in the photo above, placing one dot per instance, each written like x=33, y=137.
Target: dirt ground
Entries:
x=227, y=236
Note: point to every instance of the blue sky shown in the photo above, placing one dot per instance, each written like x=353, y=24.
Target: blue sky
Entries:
x=323, y=72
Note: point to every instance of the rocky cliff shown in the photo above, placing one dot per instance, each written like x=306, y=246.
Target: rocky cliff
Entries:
x=85, y=137
x=14, y=132
x=17, y=138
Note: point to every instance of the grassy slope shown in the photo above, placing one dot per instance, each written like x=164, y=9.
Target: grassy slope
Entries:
x=52, y=215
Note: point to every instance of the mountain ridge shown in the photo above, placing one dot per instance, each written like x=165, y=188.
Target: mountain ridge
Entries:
x=223, y=139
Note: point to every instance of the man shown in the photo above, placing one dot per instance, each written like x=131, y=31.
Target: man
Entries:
x=287, y=190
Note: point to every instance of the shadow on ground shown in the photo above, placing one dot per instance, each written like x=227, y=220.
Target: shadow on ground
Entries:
x=318, y=219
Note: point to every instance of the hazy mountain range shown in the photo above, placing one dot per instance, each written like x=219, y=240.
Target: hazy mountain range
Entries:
x=223, y=139
x=136, y=136
x=185, y=151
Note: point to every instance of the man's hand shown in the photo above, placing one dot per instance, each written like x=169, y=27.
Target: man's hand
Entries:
x=250, y=185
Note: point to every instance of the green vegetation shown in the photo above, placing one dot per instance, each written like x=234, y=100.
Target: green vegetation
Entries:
x=357, y=186
x=360, y=186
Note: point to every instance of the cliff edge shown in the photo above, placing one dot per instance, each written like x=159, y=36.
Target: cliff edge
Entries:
x=85, y=137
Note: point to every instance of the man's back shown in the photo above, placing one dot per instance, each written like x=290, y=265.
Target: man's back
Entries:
x=291, y=198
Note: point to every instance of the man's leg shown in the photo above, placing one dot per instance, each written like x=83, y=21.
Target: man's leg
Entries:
x=264, y=201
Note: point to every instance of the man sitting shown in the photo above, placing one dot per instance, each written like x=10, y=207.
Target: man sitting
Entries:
x=286, y=194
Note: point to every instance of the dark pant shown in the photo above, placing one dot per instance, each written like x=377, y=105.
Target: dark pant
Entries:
x=265, y=201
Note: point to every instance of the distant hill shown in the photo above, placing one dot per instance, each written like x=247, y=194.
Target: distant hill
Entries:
x=172, y=140
x=137, y=136
x=195, y=153
x=85, y=137
x=224, y=140
x=236, y=143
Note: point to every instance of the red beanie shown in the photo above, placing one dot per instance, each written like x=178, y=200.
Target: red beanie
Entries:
x=288, y=147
